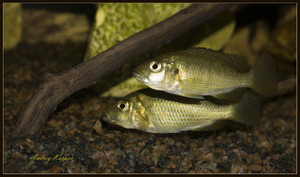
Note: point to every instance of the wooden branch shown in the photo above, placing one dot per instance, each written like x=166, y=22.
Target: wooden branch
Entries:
x=55, y=88
x=286, y=86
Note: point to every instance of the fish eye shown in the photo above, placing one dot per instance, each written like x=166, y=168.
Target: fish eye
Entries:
x=155, y=66
x=123, y=105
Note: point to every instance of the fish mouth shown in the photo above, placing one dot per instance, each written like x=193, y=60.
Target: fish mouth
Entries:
x=107, y=117
x=139, y=75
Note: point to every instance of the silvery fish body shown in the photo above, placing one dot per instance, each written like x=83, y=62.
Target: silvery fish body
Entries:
x=158, y=112
x=199, y=72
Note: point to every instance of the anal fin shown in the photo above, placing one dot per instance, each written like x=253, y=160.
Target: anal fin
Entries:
x=216, y=125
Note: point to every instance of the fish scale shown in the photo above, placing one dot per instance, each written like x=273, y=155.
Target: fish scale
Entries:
x=219, y=79
x=178, y=116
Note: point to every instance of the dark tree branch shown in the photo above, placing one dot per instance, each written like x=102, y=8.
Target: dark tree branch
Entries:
x=55, y=88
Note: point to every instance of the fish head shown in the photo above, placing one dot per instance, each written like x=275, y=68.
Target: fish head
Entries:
x=128, y=113
x=158, y=74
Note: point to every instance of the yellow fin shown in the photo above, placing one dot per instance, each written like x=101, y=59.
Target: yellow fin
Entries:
x=264, y=75
x=238, y=62
x=248, y=110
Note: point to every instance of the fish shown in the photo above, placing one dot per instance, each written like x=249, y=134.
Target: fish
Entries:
x=198, y=72
x=159, y=112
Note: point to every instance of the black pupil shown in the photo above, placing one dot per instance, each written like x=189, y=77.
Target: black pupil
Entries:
x=122, y=106
x=155, y=66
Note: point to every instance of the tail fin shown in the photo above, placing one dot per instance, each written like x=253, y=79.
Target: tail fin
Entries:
x=248, y=110
x=264, y=75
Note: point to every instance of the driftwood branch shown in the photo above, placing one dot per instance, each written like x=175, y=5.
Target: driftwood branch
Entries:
x=55, y=88
x=286, y=86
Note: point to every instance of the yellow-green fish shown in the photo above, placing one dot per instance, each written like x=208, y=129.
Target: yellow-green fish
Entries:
x=158, y=112
x=200, y=71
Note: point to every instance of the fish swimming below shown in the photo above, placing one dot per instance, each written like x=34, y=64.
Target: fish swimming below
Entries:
x=159, y=112
x=198, y=72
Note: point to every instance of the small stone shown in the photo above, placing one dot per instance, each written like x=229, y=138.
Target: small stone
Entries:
x=192, y=171
x=110, y=135
x=254, y=168
x=30, y=164
x=249, y=140
x=186, y=163
x=169, y=141
x=193, y=146
x=30, y=143
x=266, y=144
x=74, y=130
x=138, y=149
x=235, y=168
x=127, y=144
x=54, y=169
x=173, y=166
x=218, y=150
x=210, y=157
x=215, y=170
x=249, y=158
x=210, y=165
x=292, y=145
x=208, y=143
x=225, y=158
x=61, y=133
x=201, y=158
x=206, y=170
x=17, y=155
x=98, y=155
x=98, y=127
x=142, y=144
x=74, y=119
x=257, y=160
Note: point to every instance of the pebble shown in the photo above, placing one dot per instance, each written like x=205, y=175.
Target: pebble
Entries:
x=210, y=165
x=17, y=155
x=235, y=168
x=201, y=158
x=209, y=156
x=215, y=170
x=110, y=135
x=169, y=141
x=54, y=169
x=292, y=145
x=254, y=168
x=186, y=163
x=30, y=143
x=192, y=171
x=206, y=170
x=98, y=155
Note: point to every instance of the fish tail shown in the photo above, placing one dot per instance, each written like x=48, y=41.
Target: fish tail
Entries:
x=264, y=75
x=248, y=110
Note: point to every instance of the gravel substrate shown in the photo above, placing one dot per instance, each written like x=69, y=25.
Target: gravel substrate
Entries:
x=76, y=140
